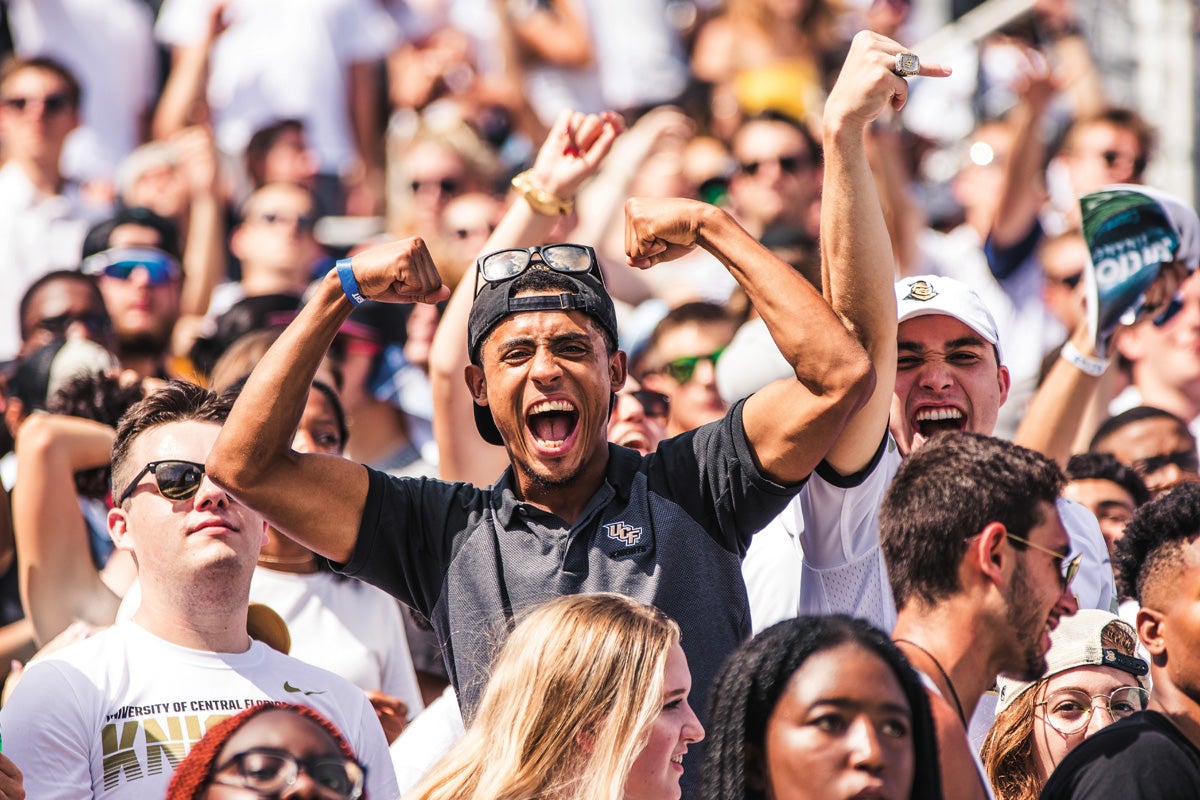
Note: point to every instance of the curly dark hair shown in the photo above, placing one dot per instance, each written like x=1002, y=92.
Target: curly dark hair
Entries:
x=1150, y=553
x=1106, y=467
x=949, y=490
x=756, y=676
x=100, y=397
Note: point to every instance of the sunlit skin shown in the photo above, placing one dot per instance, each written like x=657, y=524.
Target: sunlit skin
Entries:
x=279, y=254
x=1112, y=505
x=696, y=402
x=280, y=730
x=944, y=368
x=138, y=308
x=69, y=298
x=1050, y=746
x=630, y=426
x=1085, y=162
x=34, y=134
x=317, y=433
x=208, y=536
x=533, y=358
x=1166, y=358
x=1036, y=599
x=772, y=194
x=657, y=769
x=1147, y=439
x=842, y=729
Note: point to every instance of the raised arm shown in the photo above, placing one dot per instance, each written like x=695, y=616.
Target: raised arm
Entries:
x=790, y=424
x=59, y=583
x=857, y=266
x=560, y=171
x=313, y=498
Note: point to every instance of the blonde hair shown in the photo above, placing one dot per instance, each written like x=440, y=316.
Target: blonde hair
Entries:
x=568, y=707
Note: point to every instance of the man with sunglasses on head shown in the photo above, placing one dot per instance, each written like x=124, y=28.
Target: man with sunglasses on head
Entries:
x=113, y=715
x=573, y=513
x=43, y=216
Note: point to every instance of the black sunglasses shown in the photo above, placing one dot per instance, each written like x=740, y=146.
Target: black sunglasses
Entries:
x=1186, y=460
x=305, y=222
x=444, y=185
x=789, y=165
x=95, y=323
x=177, y=480
x=503, y=265
x=654, y=404
x=1111, y=157
x=52, y=103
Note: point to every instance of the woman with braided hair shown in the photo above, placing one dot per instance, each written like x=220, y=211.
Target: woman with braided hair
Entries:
x=267, y=750
x=820, y=707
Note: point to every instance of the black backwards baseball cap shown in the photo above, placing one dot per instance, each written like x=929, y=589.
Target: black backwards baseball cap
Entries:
x=495, y=301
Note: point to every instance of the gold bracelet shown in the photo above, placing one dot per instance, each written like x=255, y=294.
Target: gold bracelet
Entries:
x=541, y=201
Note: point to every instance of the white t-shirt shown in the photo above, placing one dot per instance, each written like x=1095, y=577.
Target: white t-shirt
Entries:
x=345, y=626
x=112, y=716
x=836, y=565
x=118, y=90
x=284, y=58
x=38, y=234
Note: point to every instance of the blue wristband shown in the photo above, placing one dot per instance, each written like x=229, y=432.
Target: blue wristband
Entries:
x=349, y=284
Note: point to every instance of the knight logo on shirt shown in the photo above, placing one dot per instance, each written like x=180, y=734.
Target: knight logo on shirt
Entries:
x=921, y=290
x=626, y=534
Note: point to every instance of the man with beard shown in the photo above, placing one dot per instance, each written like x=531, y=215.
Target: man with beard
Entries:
x=134, y=257
x=977, y=557
x=1154, y=753
x=572, y=513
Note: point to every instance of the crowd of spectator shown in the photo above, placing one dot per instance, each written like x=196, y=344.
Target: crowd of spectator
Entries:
x=623, y=400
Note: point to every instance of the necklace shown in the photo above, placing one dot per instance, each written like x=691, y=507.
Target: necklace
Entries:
x=945, y=677
x=294, y=561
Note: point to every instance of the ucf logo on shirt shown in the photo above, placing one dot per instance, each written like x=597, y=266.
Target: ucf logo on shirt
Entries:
x=625, y=534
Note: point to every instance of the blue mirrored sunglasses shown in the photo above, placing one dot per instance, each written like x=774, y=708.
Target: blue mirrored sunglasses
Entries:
x=120, y=262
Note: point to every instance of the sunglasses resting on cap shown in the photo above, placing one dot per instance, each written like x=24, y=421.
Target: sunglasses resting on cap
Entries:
x=120, y=262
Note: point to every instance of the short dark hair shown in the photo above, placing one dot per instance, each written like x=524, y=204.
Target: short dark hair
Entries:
x=1151, y=550
x=98, y=236
x=776, y=115
x=1106, y=467
x=176, y=402
x=261, y=143
x=1111, y=425
x=50, y=277
x=697, y=312
x=16, y=64
x=949, y=490
x=1118, y=117
x=756, y=676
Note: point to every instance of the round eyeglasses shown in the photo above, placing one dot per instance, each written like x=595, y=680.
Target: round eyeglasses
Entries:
x=268, y=772
x=1070, y=710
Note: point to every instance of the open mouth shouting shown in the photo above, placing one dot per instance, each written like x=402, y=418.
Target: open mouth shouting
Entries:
x=552, y=424
x=932, y=420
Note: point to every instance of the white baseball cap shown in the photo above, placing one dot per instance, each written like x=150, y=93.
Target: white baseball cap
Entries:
x=1077, y=642
x=921, y=295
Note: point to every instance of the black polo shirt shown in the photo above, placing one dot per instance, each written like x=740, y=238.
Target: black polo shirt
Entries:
x=669, y=529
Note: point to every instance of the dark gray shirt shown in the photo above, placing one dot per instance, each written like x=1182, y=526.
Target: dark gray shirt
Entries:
x=669, y=529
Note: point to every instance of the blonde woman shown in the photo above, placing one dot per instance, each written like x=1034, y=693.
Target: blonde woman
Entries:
x=1093, y=678
x=588, y=700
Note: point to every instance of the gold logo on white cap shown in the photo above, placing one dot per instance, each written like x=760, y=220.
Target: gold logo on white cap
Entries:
x=921, y=290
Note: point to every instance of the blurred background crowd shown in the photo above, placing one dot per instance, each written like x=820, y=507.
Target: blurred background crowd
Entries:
x=175, y=174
